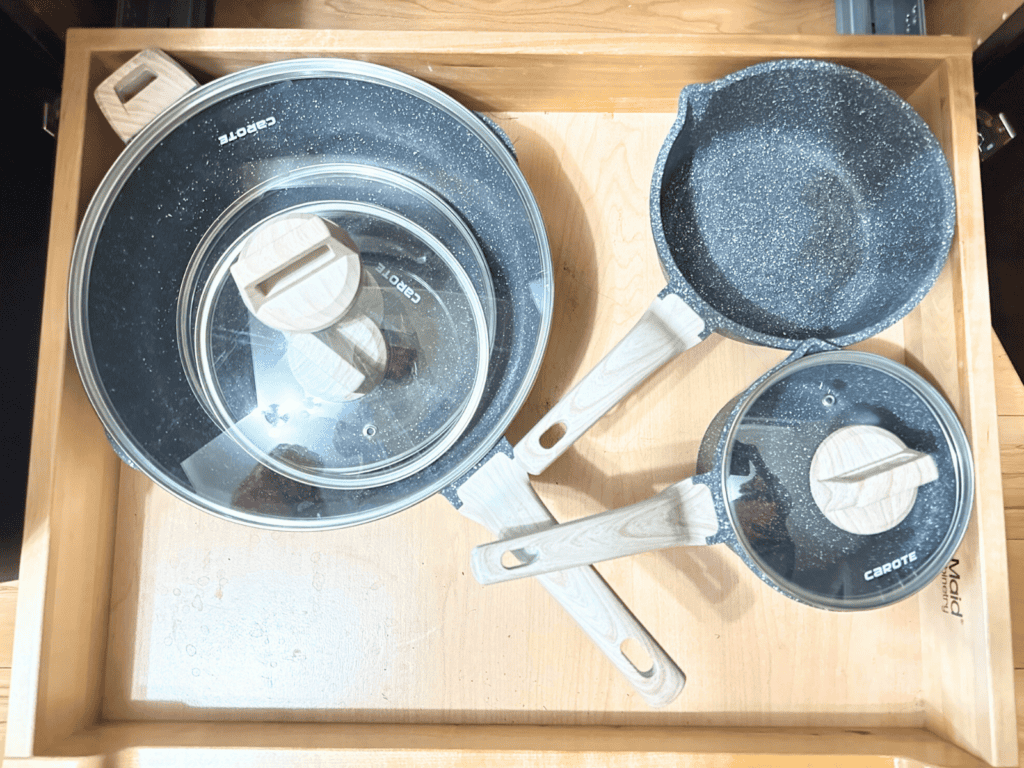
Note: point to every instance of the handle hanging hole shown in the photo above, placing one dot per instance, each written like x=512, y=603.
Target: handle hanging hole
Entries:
x=516, y=558
x=638, y=656
x=134, y=84
x=552, y=435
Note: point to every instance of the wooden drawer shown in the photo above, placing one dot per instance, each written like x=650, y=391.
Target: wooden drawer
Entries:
x=149, y=632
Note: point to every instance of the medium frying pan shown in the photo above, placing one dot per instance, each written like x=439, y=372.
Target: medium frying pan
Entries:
x=792, y=200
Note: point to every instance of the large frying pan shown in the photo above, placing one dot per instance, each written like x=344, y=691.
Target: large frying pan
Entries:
x=198, y=157
x=792, y=200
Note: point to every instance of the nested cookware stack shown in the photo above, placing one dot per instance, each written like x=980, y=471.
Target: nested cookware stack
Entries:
x=313, y=293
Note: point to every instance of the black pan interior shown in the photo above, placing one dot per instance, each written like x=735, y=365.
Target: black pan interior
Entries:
x=803, y=200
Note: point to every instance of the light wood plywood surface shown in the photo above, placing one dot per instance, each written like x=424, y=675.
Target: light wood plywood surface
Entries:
x=1010, y=405
x=976, y=19
x=682, y=16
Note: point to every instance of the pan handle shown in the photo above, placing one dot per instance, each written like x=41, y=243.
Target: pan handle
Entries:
x=681, y=515
x=499, y=497
x=668, y=327
x=140, y=90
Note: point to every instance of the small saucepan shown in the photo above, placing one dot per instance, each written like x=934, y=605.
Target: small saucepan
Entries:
x=842, y=479
x=792, y=200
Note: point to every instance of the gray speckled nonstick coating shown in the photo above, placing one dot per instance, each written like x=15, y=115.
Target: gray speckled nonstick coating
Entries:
x=800, y=199
x=755, y=459
x=177, y=176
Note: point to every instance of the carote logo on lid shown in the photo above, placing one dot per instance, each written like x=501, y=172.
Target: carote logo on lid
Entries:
x=895, y=565
x=245, y=130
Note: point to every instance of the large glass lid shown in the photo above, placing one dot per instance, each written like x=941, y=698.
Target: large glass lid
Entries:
x=314, y=130
x=848, y=479
x=340, y=344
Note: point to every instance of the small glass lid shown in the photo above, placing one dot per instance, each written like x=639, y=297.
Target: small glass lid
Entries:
x=340, y=344
x=848, y=480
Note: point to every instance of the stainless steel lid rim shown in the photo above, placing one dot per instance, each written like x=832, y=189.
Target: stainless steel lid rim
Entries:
x=529, y=309
x=329, y=176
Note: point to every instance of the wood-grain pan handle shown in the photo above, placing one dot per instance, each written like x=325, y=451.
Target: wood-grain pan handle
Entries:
x=140, y=90
x=499, y=496
x=681, y=515
x=667, y=328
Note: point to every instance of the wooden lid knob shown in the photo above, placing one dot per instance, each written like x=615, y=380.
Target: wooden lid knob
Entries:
x=298, y=273
x=864, y=479
x=341, y=363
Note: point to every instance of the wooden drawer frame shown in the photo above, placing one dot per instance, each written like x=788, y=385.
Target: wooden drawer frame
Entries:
x=966, y=705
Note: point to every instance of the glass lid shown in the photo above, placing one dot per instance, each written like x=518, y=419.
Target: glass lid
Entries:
x=225, y=158
x=848, y=480
x=339, y=343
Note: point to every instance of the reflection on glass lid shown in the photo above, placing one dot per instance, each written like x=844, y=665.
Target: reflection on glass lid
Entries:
x=846, y=480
